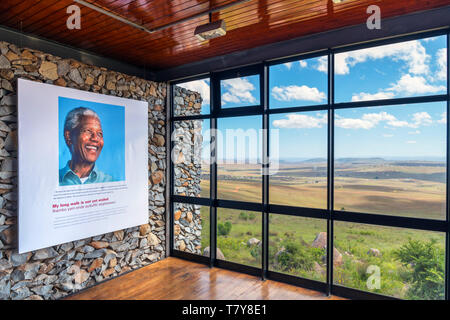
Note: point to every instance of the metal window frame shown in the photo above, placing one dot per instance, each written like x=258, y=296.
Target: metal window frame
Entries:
x=329, y=214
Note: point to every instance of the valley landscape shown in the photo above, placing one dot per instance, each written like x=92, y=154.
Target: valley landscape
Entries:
x=297, y=245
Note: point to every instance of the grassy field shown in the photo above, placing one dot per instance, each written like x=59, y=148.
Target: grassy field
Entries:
x=407, y=188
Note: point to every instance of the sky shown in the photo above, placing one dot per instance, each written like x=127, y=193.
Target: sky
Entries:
x=408, y=69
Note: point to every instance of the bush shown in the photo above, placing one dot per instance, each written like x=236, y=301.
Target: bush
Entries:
x=224, y=229
x=243, y=216
x=255, y=251
x=297, y=256
x=428, y=264
x=251, y=216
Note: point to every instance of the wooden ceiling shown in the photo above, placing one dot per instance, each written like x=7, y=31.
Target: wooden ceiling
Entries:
x=249, y=24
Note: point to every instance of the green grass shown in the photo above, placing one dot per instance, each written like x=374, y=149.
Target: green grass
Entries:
x=422, y=199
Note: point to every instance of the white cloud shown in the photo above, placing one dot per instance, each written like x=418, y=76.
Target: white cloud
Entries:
x=375, y=96
x=442, y=64
x=200, y=86
x=421, y=119
x=413, y=53
x=370, y=120
x=349, y=123
x=303, y=64
x=301, y=121
x=322, y=65
x=367, y=121
x=398, y=123
x=429, y=39
x=411, y=141
x=288, y=65
x=388, y=135
x=377, y=117
x=239, y=90
x=407, y=85
x=293, y=92
x=443, y=119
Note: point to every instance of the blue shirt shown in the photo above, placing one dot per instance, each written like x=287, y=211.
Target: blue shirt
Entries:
x=68, y=178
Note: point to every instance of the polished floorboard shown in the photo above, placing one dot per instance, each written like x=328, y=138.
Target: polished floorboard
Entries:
x=177, y=279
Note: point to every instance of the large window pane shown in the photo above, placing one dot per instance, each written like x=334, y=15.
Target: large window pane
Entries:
x=192, y=98
x=239, y=159
x=239, y=236
x=299, y=83
x=392, y=160
x=191, y=158
x=403, y=263
x=297, y=246
x=240, y=92
x=405, y=69
x=298, y=156
x=191, y=228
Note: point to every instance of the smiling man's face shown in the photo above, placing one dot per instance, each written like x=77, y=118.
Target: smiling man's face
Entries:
x=87, y=140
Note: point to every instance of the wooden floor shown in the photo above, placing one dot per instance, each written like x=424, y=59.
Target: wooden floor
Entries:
x=177, y=279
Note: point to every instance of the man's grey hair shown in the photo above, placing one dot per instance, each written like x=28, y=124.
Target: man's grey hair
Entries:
x=75, y=116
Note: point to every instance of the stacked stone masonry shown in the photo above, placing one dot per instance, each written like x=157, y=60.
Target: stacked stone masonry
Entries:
x=55, y=272
x=186, y=155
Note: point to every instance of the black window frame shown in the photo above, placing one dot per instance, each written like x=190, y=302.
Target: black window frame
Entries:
x=329, y=214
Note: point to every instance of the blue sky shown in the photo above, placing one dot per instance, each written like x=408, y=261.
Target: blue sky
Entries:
x=408, y=69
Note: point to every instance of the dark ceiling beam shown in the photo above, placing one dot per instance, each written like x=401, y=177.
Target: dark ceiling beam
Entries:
x=23, y=40
x=390, y=27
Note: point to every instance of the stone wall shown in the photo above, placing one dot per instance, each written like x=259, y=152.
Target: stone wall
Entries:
x=54, y=272
x=187, y=138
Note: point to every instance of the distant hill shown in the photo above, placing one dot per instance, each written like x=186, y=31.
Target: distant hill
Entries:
x=361, y=160
x=342, y=160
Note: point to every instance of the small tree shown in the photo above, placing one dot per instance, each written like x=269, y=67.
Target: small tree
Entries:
x=224, y=229
x=428, y=264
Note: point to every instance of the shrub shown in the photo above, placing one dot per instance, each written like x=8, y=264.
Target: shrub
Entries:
x=428, y=264
x=251, y=216
x=297, y=256
x=243, y=216
x=224, y=229
x=255, y=251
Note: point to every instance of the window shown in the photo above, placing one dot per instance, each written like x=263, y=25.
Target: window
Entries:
x=239, y=159
x=298, y=153
x=403, y=69
x=299, y=83
x=192, y=98
x=357, y=170
x=239, y=236
x=398, y=262
x=240, y=92
x=297, y=246
x=391, y=160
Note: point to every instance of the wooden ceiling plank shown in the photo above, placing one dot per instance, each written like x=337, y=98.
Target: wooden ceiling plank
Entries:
x=87, y=30
x=229, y=39
x=125, y=42
x=249, y=25
x=18, y=8
x=51, y=27
x=43, y=16
x=337, y=23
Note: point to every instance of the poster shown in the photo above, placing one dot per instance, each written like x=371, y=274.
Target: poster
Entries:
x=83, y=164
